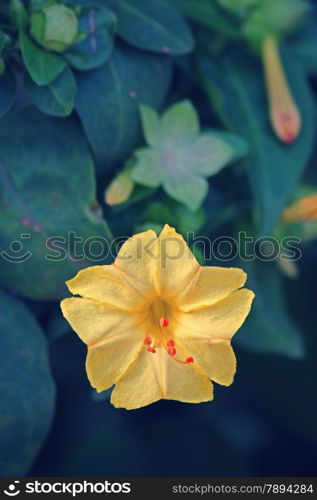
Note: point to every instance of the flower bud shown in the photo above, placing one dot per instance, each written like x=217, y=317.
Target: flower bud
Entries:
x=55, y=27
x=119, y=189
x=284, y=114
x=303, y=210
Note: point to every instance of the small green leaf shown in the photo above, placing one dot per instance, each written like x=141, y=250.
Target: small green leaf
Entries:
x=179, y=158
x=98, y=25
x=57, y=98
x=269, y=328
x=153, y=25
x=108, y=100
x=8, y=88
x=27, y=390
x=18, y=13
x=43, y=66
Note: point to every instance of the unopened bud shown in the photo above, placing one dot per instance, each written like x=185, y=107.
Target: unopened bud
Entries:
x=303, y=210
x=284, y=114
x=119, y=189
x=55, y=27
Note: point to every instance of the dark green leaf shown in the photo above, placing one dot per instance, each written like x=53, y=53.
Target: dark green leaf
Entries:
x=47, y=190
x=55, y=99
x=108, y=100
x=98, y=24
x=269, y=328
x=7, y=91
x=236, y=88
x=26, y=388
x=152, y=25
x=42, y=65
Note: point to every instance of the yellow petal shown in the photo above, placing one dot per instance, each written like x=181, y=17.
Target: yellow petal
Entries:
x=104, y=283
x=138, y=260
x=210, y=285
x=108, y=361
x=217, y=359
x=219, y=321
x=177, y=263
x=157, y=376
x=94, y=321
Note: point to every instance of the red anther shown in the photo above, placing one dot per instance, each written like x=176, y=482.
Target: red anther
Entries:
x=147, y=341
x=189, y=360
x=164, y=322
x=172, y=351
x=170, y=343
x=150, y=349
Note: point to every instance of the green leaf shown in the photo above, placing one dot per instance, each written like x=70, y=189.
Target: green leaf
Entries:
x=108, y=100
x=47, y=190
x=99, y=25
x=27, y=390
x=269, y=328
x=180, y=157
x=42, y=65
x=208, y=14
x=154, y=25
x=57, y=98
x=237, y=92
x=8, y=88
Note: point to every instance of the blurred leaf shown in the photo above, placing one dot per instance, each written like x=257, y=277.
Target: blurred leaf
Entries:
x=236, y=89
x=26, y=388
x=108, y=99
x=180, y=157
x=47, y=190
x=56, y=327
x=176, y=215
x=8, y=88
x=42, y=65
x=18, y=13
x=153, y=25
x=208, y=14
x=98, y=24
x=57, y=98
x=269, y=328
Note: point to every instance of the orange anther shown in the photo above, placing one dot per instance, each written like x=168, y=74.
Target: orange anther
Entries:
x=170, y=343
x=164, y=322
x=172, y=351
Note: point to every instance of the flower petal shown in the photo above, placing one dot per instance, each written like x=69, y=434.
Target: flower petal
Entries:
x=210, y=285
x=177, y=263
x=138, y=260
x=219, y=321
x=157, y=376
x=108, y=361
x=94, y=321
x=103, y=283
x=217, y=359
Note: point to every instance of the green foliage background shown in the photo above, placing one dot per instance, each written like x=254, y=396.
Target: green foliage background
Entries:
x=168, y=98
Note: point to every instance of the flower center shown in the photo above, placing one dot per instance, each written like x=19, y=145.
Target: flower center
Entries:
x=162, y=335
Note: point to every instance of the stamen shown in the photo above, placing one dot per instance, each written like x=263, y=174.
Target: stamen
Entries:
x=170, y=343
x=189, y=360
x=172, y=351
x=164, y=322
x=147, y=341
x=150, y=349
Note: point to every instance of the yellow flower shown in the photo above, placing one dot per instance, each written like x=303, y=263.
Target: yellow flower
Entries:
x=303, y=210
x=284, y=113
x=157, y=324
